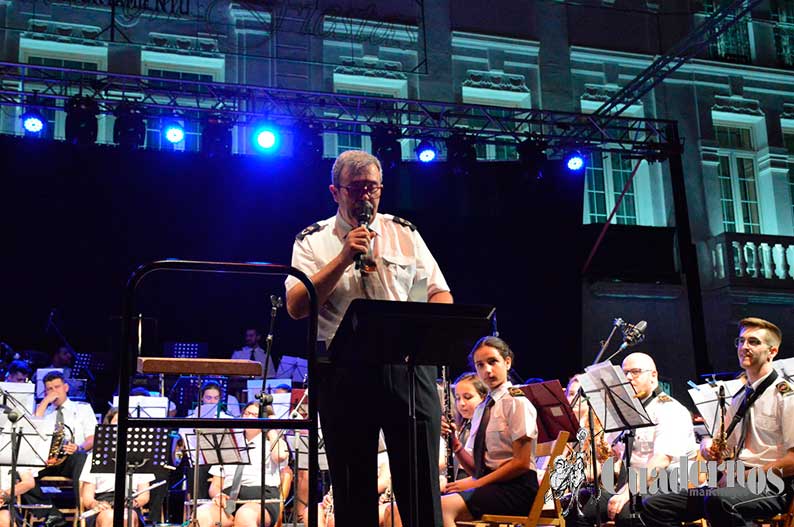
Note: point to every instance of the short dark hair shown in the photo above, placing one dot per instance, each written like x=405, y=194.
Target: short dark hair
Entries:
x=492, y=342
x=140, y=391
x=211, y=385
x=18, y=366
x=53, y=376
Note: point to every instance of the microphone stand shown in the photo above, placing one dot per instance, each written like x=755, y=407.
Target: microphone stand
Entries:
x=266, y=399
x=617, y=323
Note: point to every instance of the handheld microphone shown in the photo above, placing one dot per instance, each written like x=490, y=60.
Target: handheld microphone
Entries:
x=363, y=212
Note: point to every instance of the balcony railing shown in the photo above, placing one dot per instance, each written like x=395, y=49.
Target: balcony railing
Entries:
x=752, y=260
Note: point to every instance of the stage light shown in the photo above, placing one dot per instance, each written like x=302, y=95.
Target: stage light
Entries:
x=174, y=132
x=461, y=153
x=386, y=146
x=532, y=156
x=32, y=121
x=266, y=138
x=216, y=134
x=308, y=142
x=574, y=161
x=81, y=120
x=425, y=152
x=129, y=128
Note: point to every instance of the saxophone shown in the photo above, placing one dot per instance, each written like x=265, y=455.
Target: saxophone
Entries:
x=57, y=455
x=719, y=446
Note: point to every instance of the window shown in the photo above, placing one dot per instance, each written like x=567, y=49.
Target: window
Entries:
x=734, y=44
x=179, y=67
x=736, y=174
x=51, y=53
x=605, y=177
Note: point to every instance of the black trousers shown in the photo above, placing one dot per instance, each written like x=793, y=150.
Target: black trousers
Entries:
x=589, y=503
x=355, y=403
x=70, y=468
x=723, y=507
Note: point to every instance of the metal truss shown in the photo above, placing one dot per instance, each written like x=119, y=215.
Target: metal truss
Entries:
x=49, y=87
x=712, y=28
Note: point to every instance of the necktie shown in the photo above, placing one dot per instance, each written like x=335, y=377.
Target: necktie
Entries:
x=253, y=355
x=59, y=416
x=479, y=440
x=745, y=412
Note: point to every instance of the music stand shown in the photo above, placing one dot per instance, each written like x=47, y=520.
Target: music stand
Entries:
x=145, y=406
x=293, y=368
x=610, y=394
x=216, y=447
x=382, y=332
x=21, y=447
x=707, y=401
x=554, y=411
x=147, y=448
x=20, y=395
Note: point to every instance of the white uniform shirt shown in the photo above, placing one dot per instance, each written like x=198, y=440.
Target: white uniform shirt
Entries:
x=106, y=482
x=252, y=472
x=5, y=475
x=79, y=417
x=673, y=434
x=405, y=266
x=511, y=419
x=770, y=430
x=259, y=356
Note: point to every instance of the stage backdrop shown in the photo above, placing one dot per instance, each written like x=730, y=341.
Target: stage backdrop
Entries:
x=76, y=222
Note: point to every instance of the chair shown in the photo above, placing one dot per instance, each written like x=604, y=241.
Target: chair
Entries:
x=784, y=519
x=545, y=453
x=64, y=486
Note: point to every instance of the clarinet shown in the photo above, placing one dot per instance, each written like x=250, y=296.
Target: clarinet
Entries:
x=448, y=414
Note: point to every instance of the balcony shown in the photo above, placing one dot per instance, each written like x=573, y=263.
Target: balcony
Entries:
x=751, y=260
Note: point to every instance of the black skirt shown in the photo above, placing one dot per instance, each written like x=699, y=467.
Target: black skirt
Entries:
x=109, y=497
x=255, y=493
x=511, y=498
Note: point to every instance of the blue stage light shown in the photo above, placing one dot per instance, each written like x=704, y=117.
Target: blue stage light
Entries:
x=425, y=152
x=174, y=132
x=574, y=162
x=266, y=138
x=32, y=122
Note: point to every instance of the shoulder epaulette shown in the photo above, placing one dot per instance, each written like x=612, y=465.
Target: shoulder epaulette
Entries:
x=515, y=391
x=784, y=388
x=664, y=398
x=311, y=229
x=403, y=222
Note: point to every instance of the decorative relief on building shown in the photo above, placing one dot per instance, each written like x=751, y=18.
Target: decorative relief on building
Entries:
x=62, y=32
x=182, y=44
x=495, y=80
x=738, y=105
x=371, y=67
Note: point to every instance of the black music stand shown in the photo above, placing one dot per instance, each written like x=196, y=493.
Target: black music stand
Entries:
x=24, y=447
x=147, y=448
x=381, y=332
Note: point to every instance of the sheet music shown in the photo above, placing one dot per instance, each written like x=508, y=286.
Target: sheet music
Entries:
x=623, y=410
x=785, y=368
x=706, y=399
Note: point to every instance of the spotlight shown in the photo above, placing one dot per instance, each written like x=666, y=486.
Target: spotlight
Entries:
x=173, y=131
x=574, y=162
x=32, y=121
x=386, y=146
x=129, y=128
x=266, y=138
x=461, y=153
x=425, y=152
x=308, y=142
x=532, y=155
x=81, y=122
x=216, y=135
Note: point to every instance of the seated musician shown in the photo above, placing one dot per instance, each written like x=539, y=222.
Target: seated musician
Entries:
x=469, y=393
x=758, y=435
x=243, y=482
x=24, y=484
x=97, y=490
x=18, y=371
x=79, y=424
x=499, y=451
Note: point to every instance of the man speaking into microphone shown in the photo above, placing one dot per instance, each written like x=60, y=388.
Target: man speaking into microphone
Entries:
x=361, y=253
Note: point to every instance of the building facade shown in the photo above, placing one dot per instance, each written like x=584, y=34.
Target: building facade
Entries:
x=734, y=106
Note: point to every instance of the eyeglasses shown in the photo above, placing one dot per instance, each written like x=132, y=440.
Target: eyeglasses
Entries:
x=753, y=342
x=634, y=372
x=356, y=191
